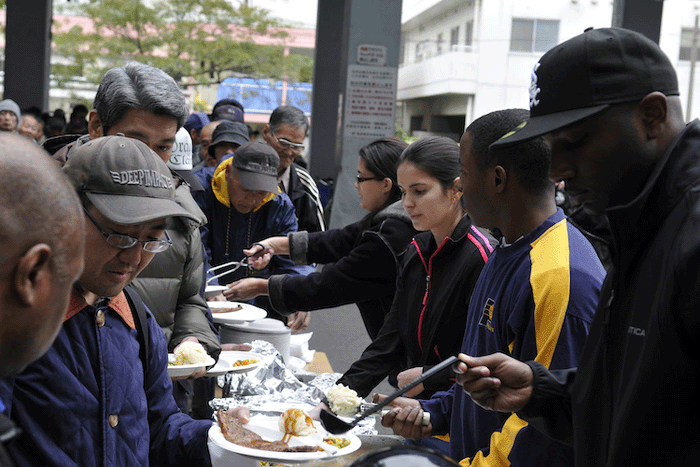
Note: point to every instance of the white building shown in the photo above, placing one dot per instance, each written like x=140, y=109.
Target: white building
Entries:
x=462, y=59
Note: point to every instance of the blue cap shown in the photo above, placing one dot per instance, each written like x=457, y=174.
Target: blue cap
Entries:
x=196, y=121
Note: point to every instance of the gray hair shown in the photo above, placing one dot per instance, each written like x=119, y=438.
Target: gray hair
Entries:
x=142, y=87
x=289, y=115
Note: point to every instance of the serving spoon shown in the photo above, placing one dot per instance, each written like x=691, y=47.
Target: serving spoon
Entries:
x=336, y=426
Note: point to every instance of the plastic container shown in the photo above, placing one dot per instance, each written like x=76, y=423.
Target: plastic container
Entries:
x=266, y=329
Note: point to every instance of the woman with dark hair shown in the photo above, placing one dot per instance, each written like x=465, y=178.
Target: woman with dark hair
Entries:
x=436, y=276
x=360, y=259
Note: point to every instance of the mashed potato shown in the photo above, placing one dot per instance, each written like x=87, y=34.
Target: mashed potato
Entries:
x=343, y=400
x=190, y=353
x=295, y=422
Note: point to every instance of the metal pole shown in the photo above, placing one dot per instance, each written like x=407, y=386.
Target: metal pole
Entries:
x=693, y=59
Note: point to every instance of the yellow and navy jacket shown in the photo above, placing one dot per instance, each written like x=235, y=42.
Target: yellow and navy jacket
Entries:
x=534, y=300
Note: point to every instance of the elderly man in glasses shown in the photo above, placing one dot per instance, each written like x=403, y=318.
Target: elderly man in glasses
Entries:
x=101, y=395
x=285, y=133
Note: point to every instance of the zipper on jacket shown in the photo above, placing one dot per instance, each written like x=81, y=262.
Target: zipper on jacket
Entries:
x=427, y=289
x=428, y=269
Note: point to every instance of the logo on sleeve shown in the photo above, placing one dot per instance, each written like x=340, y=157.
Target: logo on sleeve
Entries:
x=487, y=315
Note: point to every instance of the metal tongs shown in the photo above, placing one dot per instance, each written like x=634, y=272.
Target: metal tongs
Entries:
x=235, y=264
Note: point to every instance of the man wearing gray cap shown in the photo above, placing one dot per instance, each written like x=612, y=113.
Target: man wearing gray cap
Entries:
x=101, y=395
x=244, y=205
x=145, y=103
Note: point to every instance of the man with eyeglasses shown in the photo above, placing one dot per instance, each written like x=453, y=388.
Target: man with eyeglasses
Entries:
x=145, y=103
x=92, y=399
x=285, y=132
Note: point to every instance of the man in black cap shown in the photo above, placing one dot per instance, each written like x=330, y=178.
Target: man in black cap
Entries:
x=101, y=395
x=226, y=138
x=607, y=102
x=244, y=205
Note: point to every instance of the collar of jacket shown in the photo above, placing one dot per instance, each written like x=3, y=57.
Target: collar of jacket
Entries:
x=183, y=197
x=676, y=172
x=424, y=241
x=220, y=187
x=395, y=211
x=118, y=303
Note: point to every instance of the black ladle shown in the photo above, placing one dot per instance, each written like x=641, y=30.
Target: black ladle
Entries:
x=336, y=426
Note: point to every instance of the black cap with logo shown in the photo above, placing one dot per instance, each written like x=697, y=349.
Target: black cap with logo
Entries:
x=586, y=74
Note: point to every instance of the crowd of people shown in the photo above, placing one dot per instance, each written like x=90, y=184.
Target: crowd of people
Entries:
x=575, y=347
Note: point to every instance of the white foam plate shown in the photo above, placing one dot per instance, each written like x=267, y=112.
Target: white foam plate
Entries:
x=267, y=428
x=175, y=371
x=245, y=314
x=213, y=290
x=228, y=357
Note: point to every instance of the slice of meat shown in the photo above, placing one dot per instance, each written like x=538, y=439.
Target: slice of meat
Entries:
x=234, y=432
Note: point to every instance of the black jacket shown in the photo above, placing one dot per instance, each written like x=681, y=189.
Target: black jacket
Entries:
x=304, y=194
x=360, y=267
x=428, y=317
x=633, y=400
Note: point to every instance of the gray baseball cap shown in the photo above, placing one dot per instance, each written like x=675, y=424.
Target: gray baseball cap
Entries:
x=126, y=181
x=257, y=164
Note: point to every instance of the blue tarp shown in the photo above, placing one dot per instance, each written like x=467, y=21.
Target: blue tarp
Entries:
x=262, y=96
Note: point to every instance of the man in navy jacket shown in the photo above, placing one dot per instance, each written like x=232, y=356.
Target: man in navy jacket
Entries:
x=93, y=399
x=243, y=205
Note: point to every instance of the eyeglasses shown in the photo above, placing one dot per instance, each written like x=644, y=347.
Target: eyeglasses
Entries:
x=286, y=144
x=364, y=179
x=125, y=242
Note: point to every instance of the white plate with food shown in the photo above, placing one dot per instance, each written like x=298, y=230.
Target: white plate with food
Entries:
x=235, y=312
x=214, y=290
x=235, y=361
x=268, y=429
x=176, y=371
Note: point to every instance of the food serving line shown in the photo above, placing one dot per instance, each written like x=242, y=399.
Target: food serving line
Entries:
x=280, y=373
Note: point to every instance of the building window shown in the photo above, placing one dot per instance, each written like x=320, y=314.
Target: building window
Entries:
x=687, y=44
x=533, y=35
x=454, y=37
x=469, y=33
x=421, y=51
x=439, y=44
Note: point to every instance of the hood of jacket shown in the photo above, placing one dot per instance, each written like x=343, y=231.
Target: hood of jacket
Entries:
x=668, y=182
x=393, y=211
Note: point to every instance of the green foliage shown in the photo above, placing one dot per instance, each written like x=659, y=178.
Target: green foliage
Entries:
x=195, y=41
x=401, y=134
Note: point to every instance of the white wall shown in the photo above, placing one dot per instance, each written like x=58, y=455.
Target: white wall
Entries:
x=497, y=78
x=678, y=14
x=504, y=76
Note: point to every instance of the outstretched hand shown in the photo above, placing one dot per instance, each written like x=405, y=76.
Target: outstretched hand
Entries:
x=259, y=255
x=496, y=382
x=246, y=289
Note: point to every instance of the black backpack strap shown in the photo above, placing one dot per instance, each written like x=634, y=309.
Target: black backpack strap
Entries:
x=138, y=311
